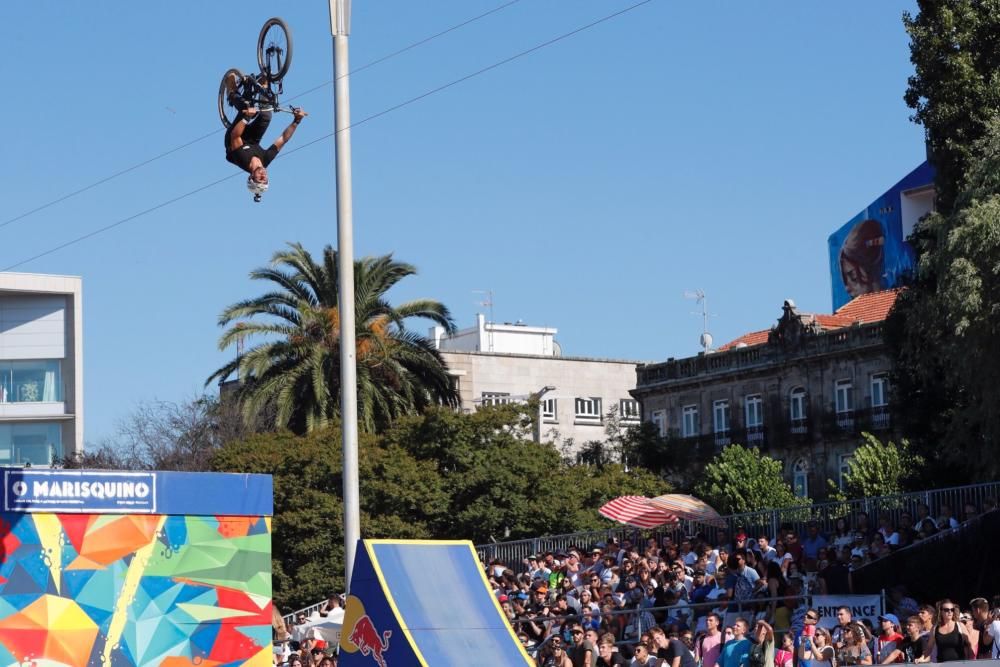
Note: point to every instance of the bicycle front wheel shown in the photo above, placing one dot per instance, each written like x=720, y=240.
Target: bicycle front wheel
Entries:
x=274, y=49
x=232, y=84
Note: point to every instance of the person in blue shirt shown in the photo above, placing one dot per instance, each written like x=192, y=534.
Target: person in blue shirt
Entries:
x=736, y=652
x=811, y=544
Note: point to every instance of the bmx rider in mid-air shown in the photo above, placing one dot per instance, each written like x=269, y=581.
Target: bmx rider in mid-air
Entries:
x=243, y=141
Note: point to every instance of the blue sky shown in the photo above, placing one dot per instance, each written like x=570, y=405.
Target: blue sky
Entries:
x=589, y=184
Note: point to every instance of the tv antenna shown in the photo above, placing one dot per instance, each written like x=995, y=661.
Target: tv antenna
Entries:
x=487, y=302
x=705, y=340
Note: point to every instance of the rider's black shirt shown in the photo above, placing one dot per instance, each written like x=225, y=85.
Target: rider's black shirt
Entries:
x=241, y=156
x=252, y=134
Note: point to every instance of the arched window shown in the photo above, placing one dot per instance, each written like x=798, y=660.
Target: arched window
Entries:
x=800, y=478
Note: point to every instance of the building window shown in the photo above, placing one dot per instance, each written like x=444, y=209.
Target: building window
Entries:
x=797, y=410
x=659, y=419
x=37, y=443
x=845, y=396
x=720, y=420
x=880, y=401
x=549, y=413
x=588, y=409
x=496, y=398
x=800, y=478
x=628, y=409
x=844, y=468
x=844, y=391
x=880, y=390
x=689, y=421
x=754, y=409
x=720, y=414
x=35, y=381
x=753, y=412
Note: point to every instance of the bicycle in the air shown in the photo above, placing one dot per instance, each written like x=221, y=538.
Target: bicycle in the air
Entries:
x=274, y=56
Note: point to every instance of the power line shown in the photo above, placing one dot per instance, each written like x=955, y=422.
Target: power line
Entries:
x=327, y=136
x=139, y=165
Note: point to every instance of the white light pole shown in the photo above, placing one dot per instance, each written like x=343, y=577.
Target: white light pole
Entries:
x=340, y=26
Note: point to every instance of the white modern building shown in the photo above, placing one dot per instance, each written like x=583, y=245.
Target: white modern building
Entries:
x=41, y=368
x=501, y=363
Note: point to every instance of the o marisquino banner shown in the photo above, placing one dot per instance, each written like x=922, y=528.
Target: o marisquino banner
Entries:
x=79, y=491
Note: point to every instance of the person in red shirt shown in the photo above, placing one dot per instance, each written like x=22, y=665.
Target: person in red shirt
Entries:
x=889, y=639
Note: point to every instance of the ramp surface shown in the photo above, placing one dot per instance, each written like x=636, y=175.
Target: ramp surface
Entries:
x=442, y=604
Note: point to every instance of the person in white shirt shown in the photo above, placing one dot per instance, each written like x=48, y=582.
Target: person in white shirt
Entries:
x=767, y=552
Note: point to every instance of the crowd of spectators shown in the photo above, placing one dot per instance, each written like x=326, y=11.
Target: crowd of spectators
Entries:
x=730, y=601
x=734, y=600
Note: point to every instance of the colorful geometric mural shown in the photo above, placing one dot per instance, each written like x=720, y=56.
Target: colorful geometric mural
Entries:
x=134, y=589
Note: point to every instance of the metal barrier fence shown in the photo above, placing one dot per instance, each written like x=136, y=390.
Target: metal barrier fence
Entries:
x=764, y=522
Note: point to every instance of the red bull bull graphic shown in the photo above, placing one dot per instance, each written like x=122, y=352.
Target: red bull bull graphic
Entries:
x=366, y=638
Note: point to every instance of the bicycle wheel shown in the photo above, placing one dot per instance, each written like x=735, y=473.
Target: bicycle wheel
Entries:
x=232, y=83
x=274, y=49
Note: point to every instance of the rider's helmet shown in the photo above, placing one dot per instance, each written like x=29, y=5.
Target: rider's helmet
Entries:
x=257, y=189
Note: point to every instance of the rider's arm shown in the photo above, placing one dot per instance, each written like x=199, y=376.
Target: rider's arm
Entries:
x=290, y=130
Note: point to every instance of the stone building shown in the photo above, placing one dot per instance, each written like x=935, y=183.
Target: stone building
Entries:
x=494, y=363
x=802, y=391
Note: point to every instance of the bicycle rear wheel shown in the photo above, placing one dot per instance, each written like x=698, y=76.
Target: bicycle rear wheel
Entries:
x=274, y=49
x=232, y=84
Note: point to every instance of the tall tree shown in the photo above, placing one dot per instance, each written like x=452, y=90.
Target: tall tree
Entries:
x=939, y=331
x=744, y=480
x=296, y=369
x=955, y=87
x=945, y=339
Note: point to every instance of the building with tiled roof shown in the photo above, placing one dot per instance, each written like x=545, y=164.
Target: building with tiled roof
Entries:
x=801, y=391
x=872, y=307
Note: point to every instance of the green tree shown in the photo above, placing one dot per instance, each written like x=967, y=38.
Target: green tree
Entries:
x=943, y=331
x=296, y=369
x=878, y=469
x=743, y=480
x=400, y=497
x=955, y=88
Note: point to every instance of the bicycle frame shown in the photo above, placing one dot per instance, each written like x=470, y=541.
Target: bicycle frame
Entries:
x=262, y=97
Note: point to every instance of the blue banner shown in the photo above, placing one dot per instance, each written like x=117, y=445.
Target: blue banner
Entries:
x=116, y=492
x=870, y=252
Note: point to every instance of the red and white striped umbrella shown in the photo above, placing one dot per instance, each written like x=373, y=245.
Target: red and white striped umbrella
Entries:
x=635, y=511
x=687, y=507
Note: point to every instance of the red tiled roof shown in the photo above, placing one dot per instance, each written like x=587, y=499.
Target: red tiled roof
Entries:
x=747, y=339
x=873, y=307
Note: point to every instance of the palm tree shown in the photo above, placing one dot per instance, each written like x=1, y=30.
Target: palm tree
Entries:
x=295, y=372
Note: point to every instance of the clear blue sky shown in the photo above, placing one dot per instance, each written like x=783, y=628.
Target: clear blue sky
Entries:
x=681, y=145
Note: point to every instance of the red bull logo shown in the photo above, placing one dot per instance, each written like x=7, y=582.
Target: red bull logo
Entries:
x=368, y=641
x=359, y=633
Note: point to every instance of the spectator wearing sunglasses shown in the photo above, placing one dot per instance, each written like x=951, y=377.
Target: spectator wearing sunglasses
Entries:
x=948, y=637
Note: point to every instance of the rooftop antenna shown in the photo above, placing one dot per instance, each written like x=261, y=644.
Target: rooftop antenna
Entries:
x=487, y=303
x=705, y=340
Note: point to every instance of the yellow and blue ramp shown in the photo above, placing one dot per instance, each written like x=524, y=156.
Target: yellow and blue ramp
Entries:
x=416, y=602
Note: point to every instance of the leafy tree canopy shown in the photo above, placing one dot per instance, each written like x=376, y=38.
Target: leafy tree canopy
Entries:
x=442, y=475
x=878, y=469
x=943, y=331
x=955, y=88
x=743, y=480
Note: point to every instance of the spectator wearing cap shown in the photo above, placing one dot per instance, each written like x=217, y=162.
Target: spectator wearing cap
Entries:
x=888, y=639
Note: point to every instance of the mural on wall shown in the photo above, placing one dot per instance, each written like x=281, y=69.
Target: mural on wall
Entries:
x=104, y=588
x=870, y=252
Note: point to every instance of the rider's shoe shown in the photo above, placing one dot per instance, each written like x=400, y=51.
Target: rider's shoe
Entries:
x=231, y=81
